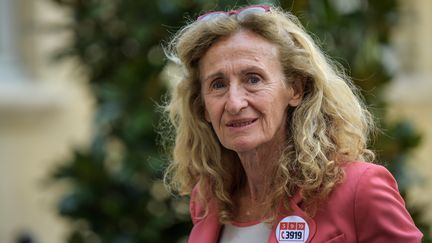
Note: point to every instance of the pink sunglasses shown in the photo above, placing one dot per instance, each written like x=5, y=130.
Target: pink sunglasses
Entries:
x=241, y=13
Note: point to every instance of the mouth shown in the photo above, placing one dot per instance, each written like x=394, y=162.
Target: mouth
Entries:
x=241, y=123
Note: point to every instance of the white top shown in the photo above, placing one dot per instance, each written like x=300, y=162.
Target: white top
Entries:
x=257, y=233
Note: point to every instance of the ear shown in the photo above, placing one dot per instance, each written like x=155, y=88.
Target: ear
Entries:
x=298, y=88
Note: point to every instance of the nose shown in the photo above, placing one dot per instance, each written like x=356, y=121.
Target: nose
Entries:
x=236, y=100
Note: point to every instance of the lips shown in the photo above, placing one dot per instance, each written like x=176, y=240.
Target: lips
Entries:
x=241, y=123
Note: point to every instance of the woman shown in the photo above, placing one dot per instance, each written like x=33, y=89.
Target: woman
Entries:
x=269, y=138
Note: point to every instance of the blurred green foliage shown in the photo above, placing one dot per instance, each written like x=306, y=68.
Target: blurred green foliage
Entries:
x=116, y=190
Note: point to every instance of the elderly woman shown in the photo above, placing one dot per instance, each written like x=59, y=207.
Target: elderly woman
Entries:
x=270, y=138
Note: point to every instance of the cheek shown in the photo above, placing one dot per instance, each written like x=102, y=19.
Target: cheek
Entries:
x=211, y=110
x=207, y=115
x=275, y=111
x=271, y=104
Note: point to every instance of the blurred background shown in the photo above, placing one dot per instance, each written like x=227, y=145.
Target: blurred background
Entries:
x=79, y=84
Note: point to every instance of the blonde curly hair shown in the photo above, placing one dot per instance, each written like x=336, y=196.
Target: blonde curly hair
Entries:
x=330, y=126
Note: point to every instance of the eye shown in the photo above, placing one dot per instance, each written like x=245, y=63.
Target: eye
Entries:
x=217, y=84
x=253, y=78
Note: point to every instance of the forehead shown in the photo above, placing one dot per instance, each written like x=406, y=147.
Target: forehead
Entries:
x=242, y=45
x=244, y=41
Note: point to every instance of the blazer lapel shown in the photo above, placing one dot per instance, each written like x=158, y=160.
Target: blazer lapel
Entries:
x=297, y=211
x=207, y=229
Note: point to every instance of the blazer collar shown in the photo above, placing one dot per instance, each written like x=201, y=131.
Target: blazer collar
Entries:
x=208, y=229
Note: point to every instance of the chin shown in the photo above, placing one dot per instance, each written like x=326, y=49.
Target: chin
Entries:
x=241, y=146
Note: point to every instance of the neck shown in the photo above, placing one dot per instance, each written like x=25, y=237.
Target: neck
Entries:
x=259, y=166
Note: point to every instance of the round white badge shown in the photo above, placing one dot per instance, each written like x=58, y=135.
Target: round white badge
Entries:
x=292, y=229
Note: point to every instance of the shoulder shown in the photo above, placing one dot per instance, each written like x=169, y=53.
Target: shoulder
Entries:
x=378, y=205
x=360, y=167
x=370, y=181
x=373, y=183
x=362, y=181
x=359, y=173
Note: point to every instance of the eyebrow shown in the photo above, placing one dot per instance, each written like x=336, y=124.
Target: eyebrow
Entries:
x=214, y=75
x=253, y=69
x=244, y=71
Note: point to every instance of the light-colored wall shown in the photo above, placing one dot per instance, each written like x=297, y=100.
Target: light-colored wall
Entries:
x=410, y=94
x=44, y=113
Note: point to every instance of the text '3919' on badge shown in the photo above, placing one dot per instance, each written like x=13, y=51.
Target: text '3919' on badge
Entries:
x=292, y=229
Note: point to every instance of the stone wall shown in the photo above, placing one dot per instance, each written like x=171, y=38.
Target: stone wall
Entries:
x=410, y=94
x=45, y=111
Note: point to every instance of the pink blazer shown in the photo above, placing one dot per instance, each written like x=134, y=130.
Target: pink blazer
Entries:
x=366, y=207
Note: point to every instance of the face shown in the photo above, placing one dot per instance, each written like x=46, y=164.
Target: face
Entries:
x=245, y=93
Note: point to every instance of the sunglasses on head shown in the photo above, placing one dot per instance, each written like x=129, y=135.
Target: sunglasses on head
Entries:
x=240, y=13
